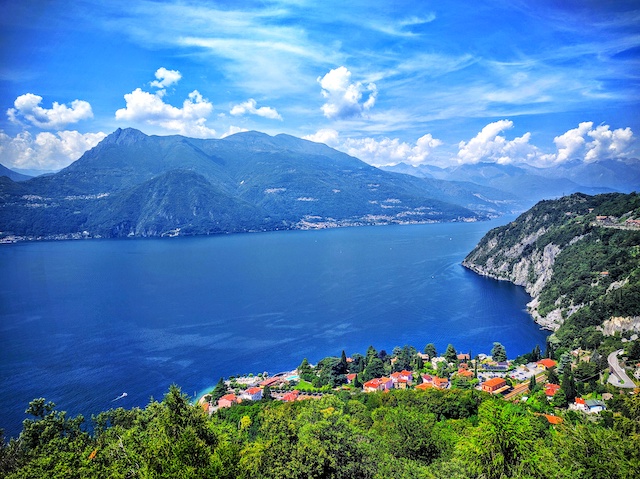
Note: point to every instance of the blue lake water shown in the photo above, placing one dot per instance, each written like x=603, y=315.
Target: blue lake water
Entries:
x=83, y=321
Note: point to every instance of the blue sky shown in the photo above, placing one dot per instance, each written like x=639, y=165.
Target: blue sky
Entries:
x=421, y=82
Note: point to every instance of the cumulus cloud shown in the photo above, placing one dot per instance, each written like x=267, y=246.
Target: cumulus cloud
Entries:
x=150, y=108
x=27, y=107
x=166, y=77
x=489, y=145
x=583, y=143
x=328, y=136
x=605, y=143
x=249, y=107
x=379, y=152
x=46, y=151
x=344, y=97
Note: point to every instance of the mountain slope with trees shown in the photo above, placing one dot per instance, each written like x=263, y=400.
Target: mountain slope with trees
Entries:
x=132, y=184
x=579, y=258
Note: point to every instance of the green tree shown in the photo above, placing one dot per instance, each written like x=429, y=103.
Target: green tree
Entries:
x=568, y=384
x=374, y=369
x=219, y=391
x=430, y=350
x=305, y=371
x=498, y=352
x=450, y=354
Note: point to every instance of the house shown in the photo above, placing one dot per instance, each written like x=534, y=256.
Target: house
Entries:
x=465, y=373
x=271, y=382
x=547, y=363
x=378, y=384
x=494, y=385
x=463, y=357
x=427, y=378
x=291, y=396
x=424, y=386
x=595, y=405
x=579, y=404
x=406, y=376
x=351, y=377
x=440, y=383
x=228, y=400
x=550, y=390
x=400, y=384
x=252, y=394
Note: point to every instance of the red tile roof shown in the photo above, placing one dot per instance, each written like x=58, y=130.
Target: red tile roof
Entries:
x=553, y=419
x=547, y=363
x=494, y=382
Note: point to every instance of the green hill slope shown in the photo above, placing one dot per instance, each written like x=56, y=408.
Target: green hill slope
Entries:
x=579, y=258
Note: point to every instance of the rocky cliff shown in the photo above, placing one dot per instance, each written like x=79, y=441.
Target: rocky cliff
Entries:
x=579, y=259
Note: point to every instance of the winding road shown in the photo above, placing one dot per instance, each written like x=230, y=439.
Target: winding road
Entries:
x=618, y=376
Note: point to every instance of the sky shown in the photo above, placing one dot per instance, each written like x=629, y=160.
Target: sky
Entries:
x=419, y=82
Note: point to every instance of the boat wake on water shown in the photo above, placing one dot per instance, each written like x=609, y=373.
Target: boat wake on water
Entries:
x=123, y=395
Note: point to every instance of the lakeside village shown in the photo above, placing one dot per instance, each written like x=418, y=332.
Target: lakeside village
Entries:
x=581, y=381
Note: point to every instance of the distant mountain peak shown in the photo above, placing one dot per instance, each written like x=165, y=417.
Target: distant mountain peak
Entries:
x=124, y=136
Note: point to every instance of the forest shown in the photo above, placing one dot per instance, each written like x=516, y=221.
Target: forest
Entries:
x=399, y=434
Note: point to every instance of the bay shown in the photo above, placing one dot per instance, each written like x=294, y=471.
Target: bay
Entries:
x=83, y=321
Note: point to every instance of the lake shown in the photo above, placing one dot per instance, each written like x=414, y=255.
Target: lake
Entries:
x=83, y=321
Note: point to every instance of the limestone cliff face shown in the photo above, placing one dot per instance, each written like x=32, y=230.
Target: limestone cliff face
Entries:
x=567, y=258
x=523, y=264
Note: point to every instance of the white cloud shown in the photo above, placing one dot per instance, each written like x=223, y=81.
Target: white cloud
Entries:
x=46, y=151
x=249, y=106
x=489, y=145
x=343, y=97
x=151, y=109
x=605, y=144
x=608, y=144
x=327, y=136
x=232, y=131
x=166, y=77
x=379, y=152
x=27, y=107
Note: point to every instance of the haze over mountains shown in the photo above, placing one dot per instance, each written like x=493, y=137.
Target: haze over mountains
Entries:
x=132, y=184
x=533, y=184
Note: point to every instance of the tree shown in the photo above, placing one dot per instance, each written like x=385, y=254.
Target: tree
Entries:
x=451, y=355
x=430, y=350
x=266, y=393
x=532, y=384
x=219, y=391
x=374, y=369
x=552, y=376
x=565, y=362
x=305, y=371
x=568, y=384
x=498, y=352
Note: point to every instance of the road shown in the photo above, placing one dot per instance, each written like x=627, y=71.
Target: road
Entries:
x=618, y=376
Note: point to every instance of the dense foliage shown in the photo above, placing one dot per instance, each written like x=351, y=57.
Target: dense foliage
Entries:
x=402, y=434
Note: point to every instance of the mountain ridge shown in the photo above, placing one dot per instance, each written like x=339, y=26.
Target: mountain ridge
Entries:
x=264, y=182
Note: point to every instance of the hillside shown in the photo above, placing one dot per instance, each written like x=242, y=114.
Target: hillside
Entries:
x=579, y=258
x=132, y=184
x=13, y=175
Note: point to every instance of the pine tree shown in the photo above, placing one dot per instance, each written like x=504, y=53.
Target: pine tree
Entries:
x=219, y=391
x=532, y=383
x=498, y=352
x=451, y=355
x=430, y=350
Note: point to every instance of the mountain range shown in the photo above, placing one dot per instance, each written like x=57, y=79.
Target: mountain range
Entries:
x=532, y=184
x=132, y=184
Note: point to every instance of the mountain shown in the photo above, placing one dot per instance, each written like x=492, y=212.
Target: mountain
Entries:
x=14, y=175
x=132, y=184
x=530, y=184
x=579, y=258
